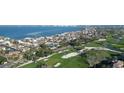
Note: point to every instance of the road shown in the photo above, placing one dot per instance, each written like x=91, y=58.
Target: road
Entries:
x=41, y=58
x=101, y=48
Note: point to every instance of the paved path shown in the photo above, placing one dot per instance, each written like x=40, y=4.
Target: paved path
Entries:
x=101, y=48
x=69, y=55
x=41, y=58
x=25, y=64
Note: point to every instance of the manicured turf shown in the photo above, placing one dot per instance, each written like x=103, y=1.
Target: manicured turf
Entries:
x=93, y=44
x=31, y=65
x=74, y=62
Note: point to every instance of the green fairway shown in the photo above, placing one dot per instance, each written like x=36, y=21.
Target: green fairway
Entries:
x=76, y=61
x=72, y=62
x=32, y=65
x=93, y=44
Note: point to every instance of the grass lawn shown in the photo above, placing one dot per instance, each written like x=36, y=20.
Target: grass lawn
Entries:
x=118, y=46
x=31, y=65
x=73, y=62
x=93, y=44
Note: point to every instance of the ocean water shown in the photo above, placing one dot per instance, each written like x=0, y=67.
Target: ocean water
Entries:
x=21, y=31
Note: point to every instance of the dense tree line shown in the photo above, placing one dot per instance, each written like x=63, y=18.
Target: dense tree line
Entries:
x=43, y=51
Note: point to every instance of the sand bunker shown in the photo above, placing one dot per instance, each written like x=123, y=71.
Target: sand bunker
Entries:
x=70, y=55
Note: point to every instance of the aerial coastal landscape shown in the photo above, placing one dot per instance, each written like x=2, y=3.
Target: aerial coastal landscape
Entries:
x=64, y=46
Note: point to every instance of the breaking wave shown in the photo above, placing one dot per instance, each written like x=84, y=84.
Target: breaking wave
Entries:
x=34, y=33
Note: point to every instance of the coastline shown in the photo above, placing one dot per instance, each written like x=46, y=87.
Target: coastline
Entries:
x=37, y=37
x=20, y=32
x=80, y=44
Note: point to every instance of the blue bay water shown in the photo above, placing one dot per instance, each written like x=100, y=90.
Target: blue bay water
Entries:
x=20, y=31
